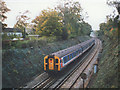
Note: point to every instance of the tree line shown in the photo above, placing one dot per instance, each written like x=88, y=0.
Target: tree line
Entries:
x=63, y=22
x=111, y=28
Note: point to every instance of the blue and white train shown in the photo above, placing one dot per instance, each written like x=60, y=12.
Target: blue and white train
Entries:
x=58, y=60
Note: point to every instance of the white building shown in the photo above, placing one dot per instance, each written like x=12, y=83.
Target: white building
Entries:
x=12, y=31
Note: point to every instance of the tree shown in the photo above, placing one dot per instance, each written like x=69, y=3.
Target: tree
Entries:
x=65, y=19
x=86, y=28
x=71, y=15
x=73, y=20
x=110, y=28
x=22, y=22
x=3, y=11
x=114, y=3
x=48, y=23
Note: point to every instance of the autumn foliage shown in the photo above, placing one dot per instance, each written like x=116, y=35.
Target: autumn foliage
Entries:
x=48, y=23
x=64, y=21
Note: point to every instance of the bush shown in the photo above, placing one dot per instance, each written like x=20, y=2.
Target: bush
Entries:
x=20, y=65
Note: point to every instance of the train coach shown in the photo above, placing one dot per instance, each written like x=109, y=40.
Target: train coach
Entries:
x=58, y=60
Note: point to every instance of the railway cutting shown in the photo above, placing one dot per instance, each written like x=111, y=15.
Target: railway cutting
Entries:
x=69, y=74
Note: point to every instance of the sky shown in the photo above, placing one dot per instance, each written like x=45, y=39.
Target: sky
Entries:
x=96, y=10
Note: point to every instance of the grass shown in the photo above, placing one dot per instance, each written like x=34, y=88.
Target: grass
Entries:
x=107, y=76
x=22, y=63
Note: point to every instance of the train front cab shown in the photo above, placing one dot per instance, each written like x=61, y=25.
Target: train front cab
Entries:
x=51, y=63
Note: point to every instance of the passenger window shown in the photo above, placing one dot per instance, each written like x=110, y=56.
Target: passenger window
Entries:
x=65, y=59
x=68, y=57
x=56, y=60
x=46, y=60
x=72, y=55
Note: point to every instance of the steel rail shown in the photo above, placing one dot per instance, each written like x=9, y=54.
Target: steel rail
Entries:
x=49, y=82
x=38, y=81
x=67, y=76
x=86, y=66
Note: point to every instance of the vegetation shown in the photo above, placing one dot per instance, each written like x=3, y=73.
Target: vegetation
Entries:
x=108, y=74
x=48, y=23
x=21, y=65
x=22, y=60
x=65, y=21
x=22, y=22
x=3, y=10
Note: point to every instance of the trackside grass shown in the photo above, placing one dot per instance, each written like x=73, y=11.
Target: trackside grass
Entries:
x=107, y=76
x=21, y=63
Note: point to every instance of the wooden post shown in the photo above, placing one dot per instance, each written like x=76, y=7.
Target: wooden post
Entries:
x=83, y=84
x=83, y=76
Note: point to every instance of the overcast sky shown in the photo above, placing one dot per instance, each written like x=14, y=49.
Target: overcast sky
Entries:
x=96, y=9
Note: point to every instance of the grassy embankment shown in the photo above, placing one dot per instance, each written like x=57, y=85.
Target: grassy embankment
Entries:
x=107, y=76
x=22, y=61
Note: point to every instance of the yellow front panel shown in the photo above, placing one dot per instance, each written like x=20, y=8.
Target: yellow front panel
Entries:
x=58, y=64
x=51, y=64
x=45, y=62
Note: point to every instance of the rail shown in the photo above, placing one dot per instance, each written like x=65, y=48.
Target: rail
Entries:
x=45, y=81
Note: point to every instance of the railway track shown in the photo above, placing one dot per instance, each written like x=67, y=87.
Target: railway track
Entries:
x=71, y=78
x=38, y=81
x=83, y=69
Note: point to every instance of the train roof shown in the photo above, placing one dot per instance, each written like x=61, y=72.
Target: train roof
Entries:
x=63, y=52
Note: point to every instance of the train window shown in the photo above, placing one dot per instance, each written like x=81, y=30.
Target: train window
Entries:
x=68, y=57
x=83, y=47
x=56, y=60
x=46, y=60
x=80, y=50
x=65, y=59
x=74, y=54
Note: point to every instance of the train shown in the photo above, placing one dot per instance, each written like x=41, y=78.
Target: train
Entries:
x=60, y=59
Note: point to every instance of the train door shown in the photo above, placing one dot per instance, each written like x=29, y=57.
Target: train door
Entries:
x=57, y=63
x=46, y=63
x=61, y=63
x=51, y=63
